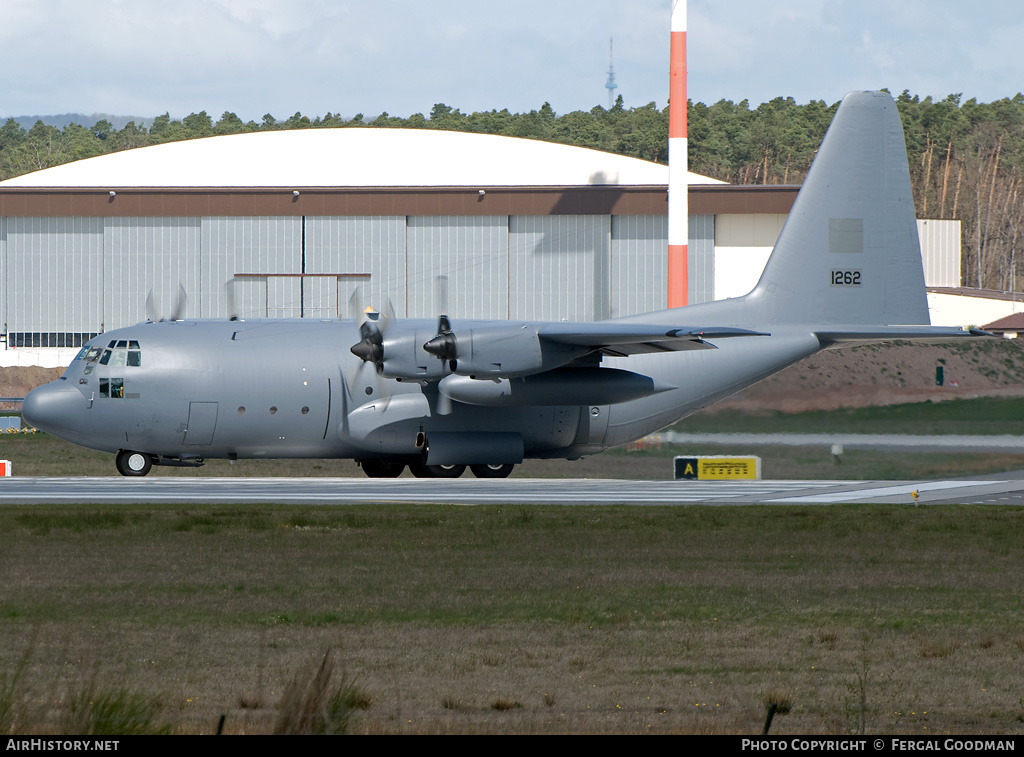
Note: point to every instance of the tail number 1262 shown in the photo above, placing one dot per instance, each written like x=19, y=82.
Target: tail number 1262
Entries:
x=844, y=277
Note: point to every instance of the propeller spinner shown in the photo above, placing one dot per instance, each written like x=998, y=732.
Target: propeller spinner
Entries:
x=443, y=346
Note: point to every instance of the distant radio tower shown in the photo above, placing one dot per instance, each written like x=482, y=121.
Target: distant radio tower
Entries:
x=610, y=85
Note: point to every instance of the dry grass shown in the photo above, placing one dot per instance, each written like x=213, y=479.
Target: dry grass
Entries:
x=603, y=620
x=314, y=704
x=938, y=648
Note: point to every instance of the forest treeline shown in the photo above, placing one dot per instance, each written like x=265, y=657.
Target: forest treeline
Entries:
x=966, y=158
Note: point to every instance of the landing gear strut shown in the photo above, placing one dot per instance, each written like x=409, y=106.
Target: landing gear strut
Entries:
x=131, y=463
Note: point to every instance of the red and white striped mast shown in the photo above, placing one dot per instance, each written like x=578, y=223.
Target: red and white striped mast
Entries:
x=678, y=163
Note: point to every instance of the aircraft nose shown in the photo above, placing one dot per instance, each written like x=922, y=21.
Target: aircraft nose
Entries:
x=52, y=407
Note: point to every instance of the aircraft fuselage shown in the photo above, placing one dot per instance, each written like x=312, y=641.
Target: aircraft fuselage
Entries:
x=189, y=390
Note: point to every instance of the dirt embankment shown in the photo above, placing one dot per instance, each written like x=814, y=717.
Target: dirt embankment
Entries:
x=877, y=374
x=17, y=381
x=888, y=374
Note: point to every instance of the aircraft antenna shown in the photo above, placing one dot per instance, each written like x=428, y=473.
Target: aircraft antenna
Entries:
x=610, y=85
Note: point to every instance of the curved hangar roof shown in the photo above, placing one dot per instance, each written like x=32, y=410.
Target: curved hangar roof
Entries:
x=354, y=157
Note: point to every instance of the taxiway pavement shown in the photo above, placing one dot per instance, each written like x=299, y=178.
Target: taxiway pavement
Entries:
x=1007, y=489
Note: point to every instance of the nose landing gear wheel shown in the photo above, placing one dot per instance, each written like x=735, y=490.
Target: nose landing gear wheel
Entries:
x=492, y=471
x=131, y=463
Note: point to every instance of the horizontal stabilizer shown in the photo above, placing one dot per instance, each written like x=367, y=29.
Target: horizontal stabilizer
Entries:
x=835, y=334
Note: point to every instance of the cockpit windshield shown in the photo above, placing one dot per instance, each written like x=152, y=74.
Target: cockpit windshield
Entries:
x=119, y=353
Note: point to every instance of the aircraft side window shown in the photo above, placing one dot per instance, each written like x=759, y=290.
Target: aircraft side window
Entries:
x=89, y=369
x=104, y=388
x=105, y=357
x=117, y=388
x=81, y=353
x=92, y=355
x=134, y=358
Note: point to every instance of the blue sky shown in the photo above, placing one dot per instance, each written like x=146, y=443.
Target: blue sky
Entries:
x=143, y=57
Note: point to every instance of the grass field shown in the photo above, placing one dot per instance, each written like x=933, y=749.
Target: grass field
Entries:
x=514, y=620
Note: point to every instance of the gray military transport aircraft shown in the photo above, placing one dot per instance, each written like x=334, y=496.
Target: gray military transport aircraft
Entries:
x=440, y=394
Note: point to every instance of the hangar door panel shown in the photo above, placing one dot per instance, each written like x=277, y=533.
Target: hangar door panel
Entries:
x=472, y=252
x=150, y=255
x=639, y=260
x=372, y=247
x=53, y=276
x=247, y=245
x=559, y=267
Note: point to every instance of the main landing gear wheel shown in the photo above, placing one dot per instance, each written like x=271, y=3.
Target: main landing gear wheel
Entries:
x=382, y=468
x=436, y=471
x=130, y=463
x=492, y=471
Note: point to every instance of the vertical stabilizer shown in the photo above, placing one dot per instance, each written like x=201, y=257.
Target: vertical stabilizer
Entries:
x=849, y=252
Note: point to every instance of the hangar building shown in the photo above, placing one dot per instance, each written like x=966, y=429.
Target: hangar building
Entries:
x=297, y=220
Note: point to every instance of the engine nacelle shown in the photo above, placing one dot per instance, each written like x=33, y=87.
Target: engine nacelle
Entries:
x=507, y=352
x=405, y=358
x=415, y=350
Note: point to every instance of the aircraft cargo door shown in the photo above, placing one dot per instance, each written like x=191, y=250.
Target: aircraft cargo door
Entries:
x=202, y=420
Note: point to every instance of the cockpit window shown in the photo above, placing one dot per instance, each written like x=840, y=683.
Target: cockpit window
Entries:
x=118, y=353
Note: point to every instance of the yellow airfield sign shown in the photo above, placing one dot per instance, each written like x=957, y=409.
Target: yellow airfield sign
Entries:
x=717, y=468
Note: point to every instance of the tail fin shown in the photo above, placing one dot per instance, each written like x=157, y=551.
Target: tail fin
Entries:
x=849, y=253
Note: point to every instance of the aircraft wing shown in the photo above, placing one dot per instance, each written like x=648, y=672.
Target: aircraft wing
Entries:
x=619, y=339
